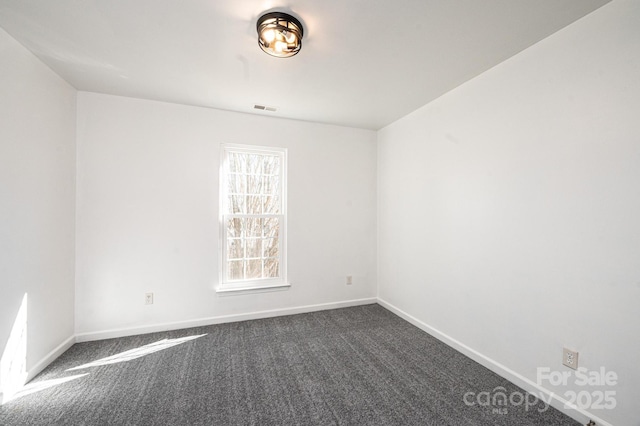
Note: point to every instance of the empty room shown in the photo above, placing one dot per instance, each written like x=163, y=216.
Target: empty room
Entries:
x=420, y=212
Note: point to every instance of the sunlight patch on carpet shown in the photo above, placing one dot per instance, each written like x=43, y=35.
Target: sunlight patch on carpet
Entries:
x=138, y=352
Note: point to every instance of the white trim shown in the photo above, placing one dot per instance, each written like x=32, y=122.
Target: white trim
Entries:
x=262, y=149
x=556, y=401
x=131, y=331
x=254, y=289
x=50, y=357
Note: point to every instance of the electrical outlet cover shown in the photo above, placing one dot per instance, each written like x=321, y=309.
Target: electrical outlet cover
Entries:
x=570, y=358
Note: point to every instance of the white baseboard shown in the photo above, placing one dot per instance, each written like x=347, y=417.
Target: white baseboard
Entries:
x=50, y=357
x=554, y=400
x=131, y=331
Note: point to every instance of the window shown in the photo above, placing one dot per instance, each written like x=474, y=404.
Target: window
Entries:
x=253, y=217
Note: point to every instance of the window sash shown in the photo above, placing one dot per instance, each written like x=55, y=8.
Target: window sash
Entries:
x=245, y=256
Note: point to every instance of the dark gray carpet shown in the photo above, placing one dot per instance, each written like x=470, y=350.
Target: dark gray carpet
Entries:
x=353, y=366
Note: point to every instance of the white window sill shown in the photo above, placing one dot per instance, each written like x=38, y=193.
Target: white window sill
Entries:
x=252, y=288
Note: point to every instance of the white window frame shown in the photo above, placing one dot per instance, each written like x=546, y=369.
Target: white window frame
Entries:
x=226, y=285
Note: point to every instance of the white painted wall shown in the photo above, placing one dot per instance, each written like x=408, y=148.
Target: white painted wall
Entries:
x=147, y=212
x=509, y=209
x=37, y=201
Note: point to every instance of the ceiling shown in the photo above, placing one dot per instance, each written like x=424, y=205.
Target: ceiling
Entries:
x=364, y=63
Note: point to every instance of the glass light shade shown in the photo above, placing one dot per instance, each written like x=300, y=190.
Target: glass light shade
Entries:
x=279, y=34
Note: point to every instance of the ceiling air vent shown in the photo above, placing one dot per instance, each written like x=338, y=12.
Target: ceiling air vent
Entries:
x=265, y=108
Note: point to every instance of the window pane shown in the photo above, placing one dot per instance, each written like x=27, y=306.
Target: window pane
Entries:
x=270, y=247
x=254, y=184
x=254, y=269
x=271, y=227
x=234, y=227
x=234, y=270
x=254, y=163
x=253, y=247
x=254, y=204
x=235, y=250
x=236, y=204
x=271, y=165
x=236, y=161
x=271, y=204
x=271, y=184
x=253, y=227
x=271, y=268
x=236, y=184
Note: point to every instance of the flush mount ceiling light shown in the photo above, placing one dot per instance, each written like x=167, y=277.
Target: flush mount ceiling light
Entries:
x=279, y=34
